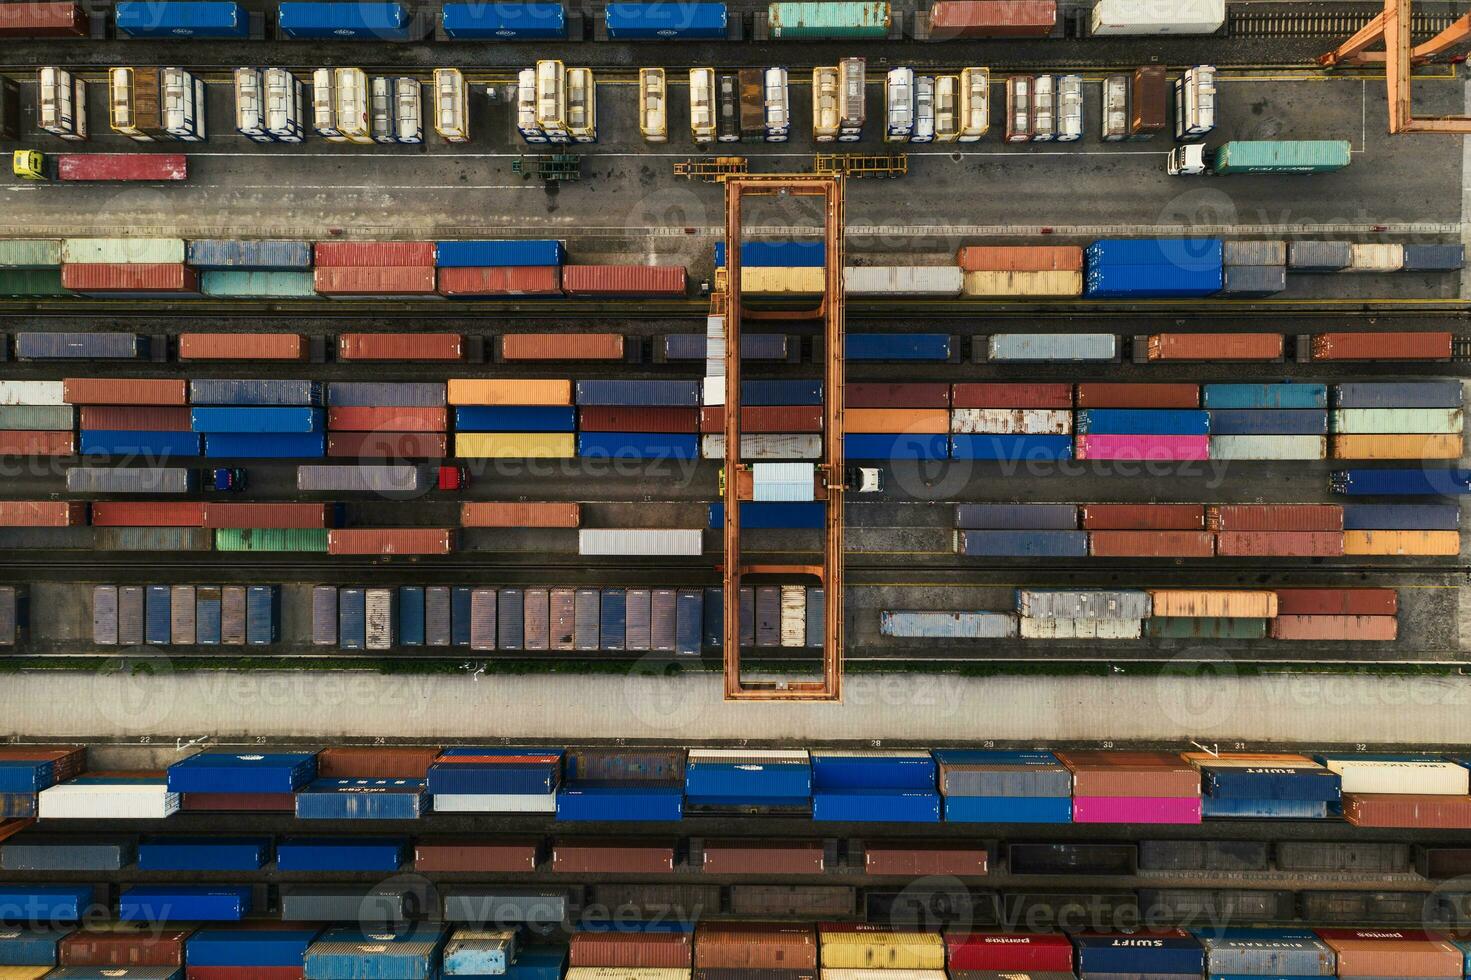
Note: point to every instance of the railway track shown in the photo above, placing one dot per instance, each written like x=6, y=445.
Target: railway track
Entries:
x=1266, y=21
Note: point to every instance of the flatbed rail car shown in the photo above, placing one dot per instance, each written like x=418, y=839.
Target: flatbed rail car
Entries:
x=711, y=169
x=861, y=164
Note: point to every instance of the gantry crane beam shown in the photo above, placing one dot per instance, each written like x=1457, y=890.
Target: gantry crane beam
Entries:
x=831, y=471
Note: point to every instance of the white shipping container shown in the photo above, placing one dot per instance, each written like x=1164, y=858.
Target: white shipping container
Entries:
x=1083, y=604
x=793, y=616
x=1052, y=347
x=1081, y=629
x=496, y=802
x=751, y=755
x=1377, y=258
x=1158, y=16
x=107, y=801
x=714, y=393
x=122, y=250
x=1012, y=421
x=1390, y=421
x=380, y=611
x=765, y=445
x=31, y=393
x=784, y=481
x=1268, y=447
x=640, y=541
x=903, y=280
x=1385, y=775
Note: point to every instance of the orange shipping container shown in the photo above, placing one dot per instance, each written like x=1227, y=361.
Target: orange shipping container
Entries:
x=1215, y=347
x=484, y=514
x=1275, y=517
x=1440, y=445
x=1419, y=543
x=1104, y=394
x=1151, y=544
x=1214, y=603
x=124, y=391
x=42, y=513
x=373, y=253
x=755, y=946
x=133, y=277
x=1385, y=952
x=391, y=541
x=375, y=761
x=386, y=445
x=136, y=418
x=487, y=391
x=374, y=280
x=284, y=515
x=400, y=347
x=1143, y=517
x=25, y=442
x=1280, y=544
x=1020, y=258
x=562, y=346
x=1383, y=346
x=242, y=347
x=1407, y=810
x=623, y=280
x=533, y=280
x=1131, y=774
x=924, y=420
x=147, y=513
x=1342, y=628
x=364, y=418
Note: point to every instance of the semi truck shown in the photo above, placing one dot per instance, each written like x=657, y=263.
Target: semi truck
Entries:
x=1260, y=157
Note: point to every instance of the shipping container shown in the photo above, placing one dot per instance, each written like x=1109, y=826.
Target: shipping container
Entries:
x=1382, y=346
x=241, y=346
x=43, y=19
x=1052, y=347
x=400, y=347
x=1110, y=395
x=504, y=21
x=540, y=280
x=623, y=280
x=79, y=346
x=903, y=281
x=562, y=347
x=390, y=541
x=788, y=20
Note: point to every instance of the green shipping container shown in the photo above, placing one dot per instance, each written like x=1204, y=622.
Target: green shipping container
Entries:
x=258, y=285
x=1392, y=421
x=161, y=251
x=1281, y=156
x=50, y=418
x=811, y=21
x=31, y=282
x=30, y=253
x=271, y=539
x=1197, y=628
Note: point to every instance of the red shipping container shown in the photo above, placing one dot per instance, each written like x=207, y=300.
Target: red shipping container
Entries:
x=193, y=972
x=242, y=347
x=1004, y=395
x=374, y=280
x=631, y=949
x=1007, y=952
x=493, y=856
x=123, y=945
x=1407, y=810
x=530, y=280
x=912, y=860
x=1274, y=517
x=1126, y=773
x=376, y=761
x=391, y=541
x=124, y=391
x=400, y=347
x=1341, y=628
x=1151, y=544
x=1337, y=602
x=596, y=418
x=876, y=394
x=148, y=513
x=136, y=418
x=623, y=280
x=239, y=802
x=1215, y=347
x=561, y=347
x=365, y=418
x=950, y=19
x=265, y=515
x=1280, y=544
x=763, y=857
x=42, y=513
x=1143, y=517
x=338, y=254
x=1396, y=346
x=386, y=445
x=131, y=277
x=750, y=950
x=1111, y=395
x=765, y=418
x=121, y=166
x=487, y=514
x=20, y=19
x=24, y=442
x=1016, y=258
x=595, y=856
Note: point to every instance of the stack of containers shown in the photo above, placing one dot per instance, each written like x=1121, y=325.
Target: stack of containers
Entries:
x=1404, y=420
x=479, y=952
x=1147, y=531
x=1133, y=787
x=410, y=953
x=879, y=785
x=1039, y=955
x=1241, y=953
x=640, y=408
x=779, y=420
x=1021, y=270
x=1336, y=614
x=1014, y=422
x=1254, y=268
x=745, y=778
x=1277, y=530
x=266, y=269
x=1144, y=267
x=1161, y=954
x=1211, y=613
x=362, y=798
x=1402, y=791
x=983, y=786
x=263, y=949
x=1019, y=531
x=758, y=950
x=860, y=951
x=1267, y=421
x=213, y=773
x=499, y=268
x=386, y=420
x=665, y=947
x=496, y=779
x=622, y=784
x=133, y=267
x=1087, y=614
x=895, y=433
x=35, y=419
x=1387, y=952
x=346, y=270
x=109, y=796
x=30, y=267
x=1401, y=529
x=133, y=417
x=1143, y=434
x=258, y=419
x=26, y=772
x=105, y=947
x=779, y=268
x=1265, y=786
x=513, y=419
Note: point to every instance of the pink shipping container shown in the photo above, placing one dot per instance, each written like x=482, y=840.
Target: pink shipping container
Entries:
x=374, y=280
x=1280, y=544
x=532, y=280
x=42, y=513
x=336, y=254
x=1136, y=809
x=391, y=541
x=132, y=277
x=1275, y=517
x=122, y=166
x=1334, y=628
x=623, y=280
x=1141, y=447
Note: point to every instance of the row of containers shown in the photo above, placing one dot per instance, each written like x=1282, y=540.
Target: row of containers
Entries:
x=658, y=784
x=1169, y=614
x=186, y=615
x=1108, y=268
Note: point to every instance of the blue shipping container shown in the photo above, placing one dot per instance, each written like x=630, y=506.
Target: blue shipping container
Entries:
x=614, y=619
x=370, y=19
x=638, y=445
x=1269, y=422
x=183, y=903
x=1142, y=421
x=1397, y=394
x=256, y=420
x=345, y=952
x=516, y=418
x=362, y=799
x=26, y=775
x=1052, y=517
x=538, y=963
x=755, y=393
x=253, y=392
x=504, y=21
x=1230, y=806
x=411, y=615
x=510, y=619
x=623, y=803
x=1270, y=783
x=182, y=18
x=714, y=617
x=352, y=618
x=229, y=772
x=277, y=445
x=44, y=903
x=1150, y=281
x=283, y=946
x=460, y=600
x=157, y=613
x=1389, y=482
x=905, y=770
x=1024, y=544
x=1267, y=952
x=109, y=442
x=1266, y=396
x=895, y=446
x=897, y=346
x=746, y=779
x=680, y=394
x=234, y=253
x=496, y=770
x=261, y=616
x=689, y=608
x=31, y=946
x=1014, y=448
x=754, y=346
x=208, y=625
x=1009, y=809
x=806, y=514
x=779, y=255
x=497, y=253
x=876, y=806
x=339, y=854
x=1197, y=254
x=204, y=854
x=1401, y=517
x=1131, y=953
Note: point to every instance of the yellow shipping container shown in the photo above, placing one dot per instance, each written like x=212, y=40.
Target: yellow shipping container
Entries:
x=1214, y=603
x=1442, y=445
x=776, y=280
x=1052, y=283
x=515, y=445
x=1402, y=543
x=888, y=950
x=529, y=391
x=23, y=972
x=922, y=420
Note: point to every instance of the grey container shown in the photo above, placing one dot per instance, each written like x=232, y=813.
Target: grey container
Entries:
x=1083, y=604
x=104, y=615
x=48, y=418
x=80, y=346
x=1398, y=394
x=1253, y=280
x=483, y=604
x=182, y=616
x=207, y=615
x=232, y=615
x=1052, y=347
x=641, y=902
x=154, y=539
x=1357, y=856
x=636, y=636
x=510, y=619
x=361, y=478
x=748, y=616
x=663, y=619
x=816, y=617
x=587, y=619
x=11, y=615
x=563, y=619
x=437, y=616
x=130, y=615
x=381, y=611
x=66, y=854
x=502, y=907
x=1032, y=517
x=1254, y=253
x=164, y=479
x=1297, y=956
x=250, y=391
x=231, y=253
x=1005, y=779
x=1319, y=256
x=324, y=615
x=384, y=905
x=385, y=394
x=536, y=609
x=1434, y=258
x=1203, y=855
x=768, y=616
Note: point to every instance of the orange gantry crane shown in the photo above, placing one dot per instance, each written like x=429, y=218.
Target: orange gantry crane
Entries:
x=1399, y=57
x=738, y=484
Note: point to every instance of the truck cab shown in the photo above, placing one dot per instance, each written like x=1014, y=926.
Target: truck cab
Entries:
x=226, y=479
x=1186, y=160
x=29, y=164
